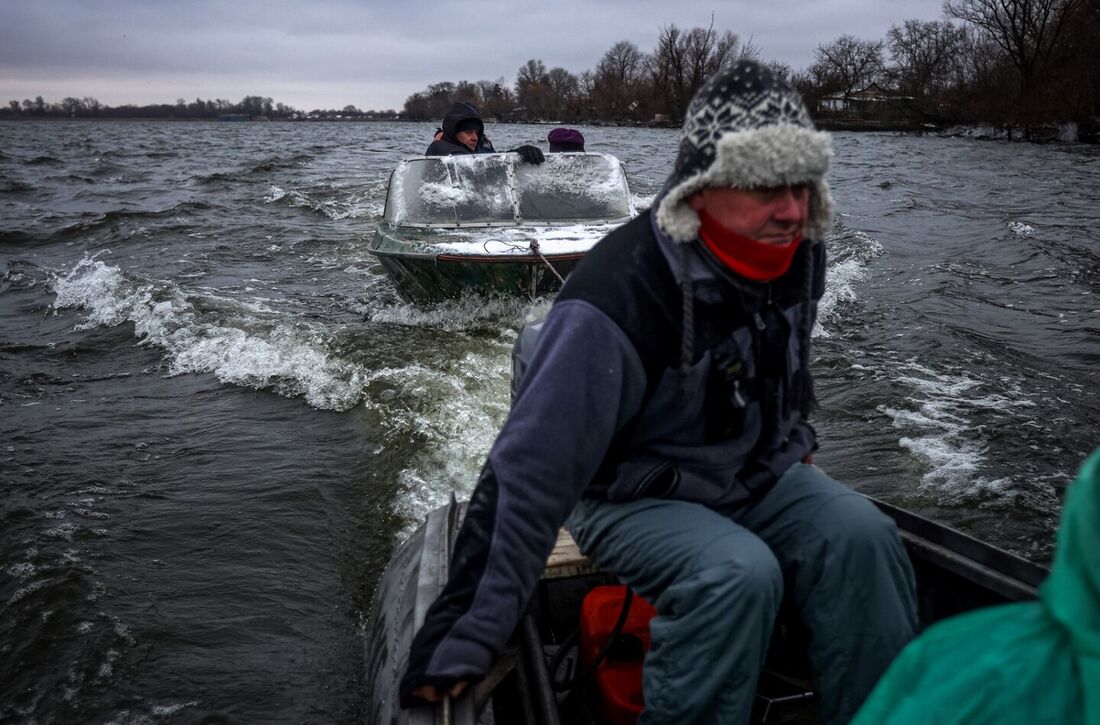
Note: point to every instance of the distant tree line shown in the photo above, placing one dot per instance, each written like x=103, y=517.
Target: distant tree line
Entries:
x=252, y=107
x=626, y=85
x=1018, y=64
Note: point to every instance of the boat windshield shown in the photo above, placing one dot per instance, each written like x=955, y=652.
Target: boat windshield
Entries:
x=500, y=189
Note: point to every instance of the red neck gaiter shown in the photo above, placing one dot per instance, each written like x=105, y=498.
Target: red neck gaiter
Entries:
x=745, y=256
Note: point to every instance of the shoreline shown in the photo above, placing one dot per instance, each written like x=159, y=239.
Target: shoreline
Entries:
x=1066, y=132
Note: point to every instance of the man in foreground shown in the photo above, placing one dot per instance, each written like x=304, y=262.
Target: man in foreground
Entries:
x=664, y=412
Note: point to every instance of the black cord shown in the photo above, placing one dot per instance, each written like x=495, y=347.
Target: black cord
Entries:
x=555, y=661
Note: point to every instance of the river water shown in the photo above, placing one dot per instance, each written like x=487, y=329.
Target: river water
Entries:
x=218, y=418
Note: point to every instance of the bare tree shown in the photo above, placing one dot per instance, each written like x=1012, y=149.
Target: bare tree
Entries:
x=498, y=98
x=469, y=92
x=617, y=79
x=1076, y=83
x=586, y=89
x=1026, y=30
x=987, y=85
x=782, y=70
x=683, y=61
x=564, y=95
x=532, y=88
x=847, y=64
x=926, y=58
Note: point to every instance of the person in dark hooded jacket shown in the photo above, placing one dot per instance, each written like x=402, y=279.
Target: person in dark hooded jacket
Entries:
x=464, y=133
x=663, y=417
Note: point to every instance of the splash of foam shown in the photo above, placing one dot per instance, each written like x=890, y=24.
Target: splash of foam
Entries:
x=1020, y=229
x=942, y=432
x=455, y=413
x=356, y=206
x=850, y=253
x=244, y=347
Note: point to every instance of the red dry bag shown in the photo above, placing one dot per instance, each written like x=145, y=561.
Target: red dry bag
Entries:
x=619, y=676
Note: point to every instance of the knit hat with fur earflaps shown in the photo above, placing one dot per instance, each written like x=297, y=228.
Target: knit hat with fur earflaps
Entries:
x=747, y=129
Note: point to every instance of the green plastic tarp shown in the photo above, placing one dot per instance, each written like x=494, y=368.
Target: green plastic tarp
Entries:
x=1034, y=662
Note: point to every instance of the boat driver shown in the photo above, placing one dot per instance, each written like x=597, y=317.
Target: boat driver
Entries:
x=464, y=133
x=664, y=413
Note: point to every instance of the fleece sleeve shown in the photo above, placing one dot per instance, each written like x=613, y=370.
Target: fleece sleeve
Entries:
x=584, y=382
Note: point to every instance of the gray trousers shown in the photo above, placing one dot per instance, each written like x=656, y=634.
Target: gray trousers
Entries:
x=717, y=580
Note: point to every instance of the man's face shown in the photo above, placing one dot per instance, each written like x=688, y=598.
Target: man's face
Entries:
x=467, y=138
x=773, y=216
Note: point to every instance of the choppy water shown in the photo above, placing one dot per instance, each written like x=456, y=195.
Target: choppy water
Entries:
x=218, y=418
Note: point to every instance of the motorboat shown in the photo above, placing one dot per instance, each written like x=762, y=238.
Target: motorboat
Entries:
x=490, y=224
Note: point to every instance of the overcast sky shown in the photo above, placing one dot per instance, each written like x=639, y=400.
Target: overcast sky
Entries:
x=368, y=53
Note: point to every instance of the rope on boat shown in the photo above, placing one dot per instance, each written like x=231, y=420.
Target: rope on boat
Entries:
x=536, y=250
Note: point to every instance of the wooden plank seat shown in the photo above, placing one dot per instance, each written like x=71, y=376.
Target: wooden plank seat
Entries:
x=566, y=559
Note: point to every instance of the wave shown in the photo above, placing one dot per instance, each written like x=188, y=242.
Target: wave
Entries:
x=466, y=314
x=43, y=161
x=445, y=405
x=275, y=163
x=72, y=179
x=265, y=166
x=238, y=343
x=13, y=186
x=943, y=422
x=116, y=216
x=850, y=253
x=359, y=204
x=453, y=413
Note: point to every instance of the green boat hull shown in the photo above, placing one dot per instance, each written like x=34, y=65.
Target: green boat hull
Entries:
x=425, y=277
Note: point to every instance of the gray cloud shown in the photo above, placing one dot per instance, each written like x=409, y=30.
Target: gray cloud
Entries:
x=330, y=53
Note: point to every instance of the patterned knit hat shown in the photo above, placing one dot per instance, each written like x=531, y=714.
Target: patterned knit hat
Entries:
x=747, y=129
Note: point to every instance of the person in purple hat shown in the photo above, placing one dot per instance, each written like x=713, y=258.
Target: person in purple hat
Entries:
x=565, y=139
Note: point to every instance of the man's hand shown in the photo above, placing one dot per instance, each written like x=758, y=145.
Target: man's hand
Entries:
x=530, y=154
x=431, y=693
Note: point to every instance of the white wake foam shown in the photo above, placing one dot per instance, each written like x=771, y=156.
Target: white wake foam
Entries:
x=851, y=251
x=1020, y=229
x=942, y=432
x=244, y=344
x=454, y=415
x=359, y=205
